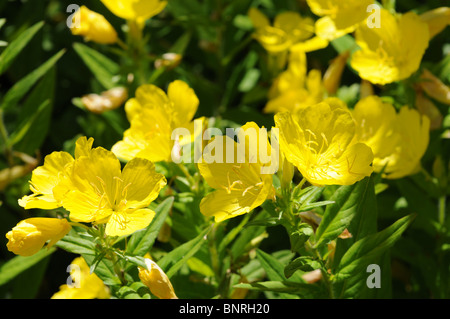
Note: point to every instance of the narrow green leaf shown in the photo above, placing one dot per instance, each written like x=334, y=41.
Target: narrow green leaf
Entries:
x=24, y=128
x=76, y=245
x=307, y=207
x=35, y=115
x=24, y=85
x=361, y=253
x=102, y=67
x=15, y=47
x=281, y=287
x=18, y=264
x=303, y=263
x=171, y=262
x=337, y=216
x=104, y=270
x=274, y=269
x=141, y=241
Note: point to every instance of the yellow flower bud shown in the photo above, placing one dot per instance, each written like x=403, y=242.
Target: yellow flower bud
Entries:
x=93, y=26
x=426, y=107
x=434, y=87
x=437, y=19
x=156, y=280
x=30, y=235
x=333, y=75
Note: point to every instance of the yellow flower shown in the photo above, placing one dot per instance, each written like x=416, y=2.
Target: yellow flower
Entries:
x=392, y=52
x=31, y=234
x=85, y=285
x=156, y=280
x=339, y=17
x=48, y=176
x=239, y=172
x=398, y=141
x=375, y=122
x=93, y=26
x=288, y=29
x=139, y=10
x=414, y=130
x=294, y=89
x=320, y=143
x=153, y=117
x=99, y=192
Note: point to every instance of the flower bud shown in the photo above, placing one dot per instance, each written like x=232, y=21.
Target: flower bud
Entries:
x=93, y=26
x=108, y=100
x=156, y=280
x=333, y=75
x=437, y=19
x=434, y=87
x=30, y=235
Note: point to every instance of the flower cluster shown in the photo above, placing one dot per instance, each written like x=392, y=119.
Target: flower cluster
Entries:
x=318, y=139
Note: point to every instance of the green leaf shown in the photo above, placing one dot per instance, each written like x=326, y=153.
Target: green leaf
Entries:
x=75, y=244
x=303, y=263
x=364, y=251
x=364, y=223
x=299, y=236
x=15, y=47
x=103, y=68
x=337, y=216
x=104, y=269
x=141, y=241
x=134, y=291
x=24, y=85
x=18, y=264
x=273, y=268
x=285, y=287
x=345, y=43
x=35, y=116
x=171, y=262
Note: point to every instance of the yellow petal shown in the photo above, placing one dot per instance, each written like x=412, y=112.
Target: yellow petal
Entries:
x=141, y=183
x=185, y=102
x=44, y=179
x=127, y=222
x=272, y=39
x=259, y=20
x=296, y=27
x=83, y=146
x=135, y=9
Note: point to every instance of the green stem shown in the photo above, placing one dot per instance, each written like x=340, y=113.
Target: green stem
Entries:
x=442, y=207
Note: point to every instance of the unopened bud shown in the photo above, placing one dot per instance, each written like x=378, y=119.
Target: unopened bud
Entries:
x=434, y=87
x=333, y=75
x=106, y=101
x=169, y=61
x=313, y=276
x=156, y=280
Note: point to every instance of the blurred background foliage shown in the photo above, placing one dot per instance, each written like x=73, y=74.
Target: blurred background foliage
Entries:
x=226, y=69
